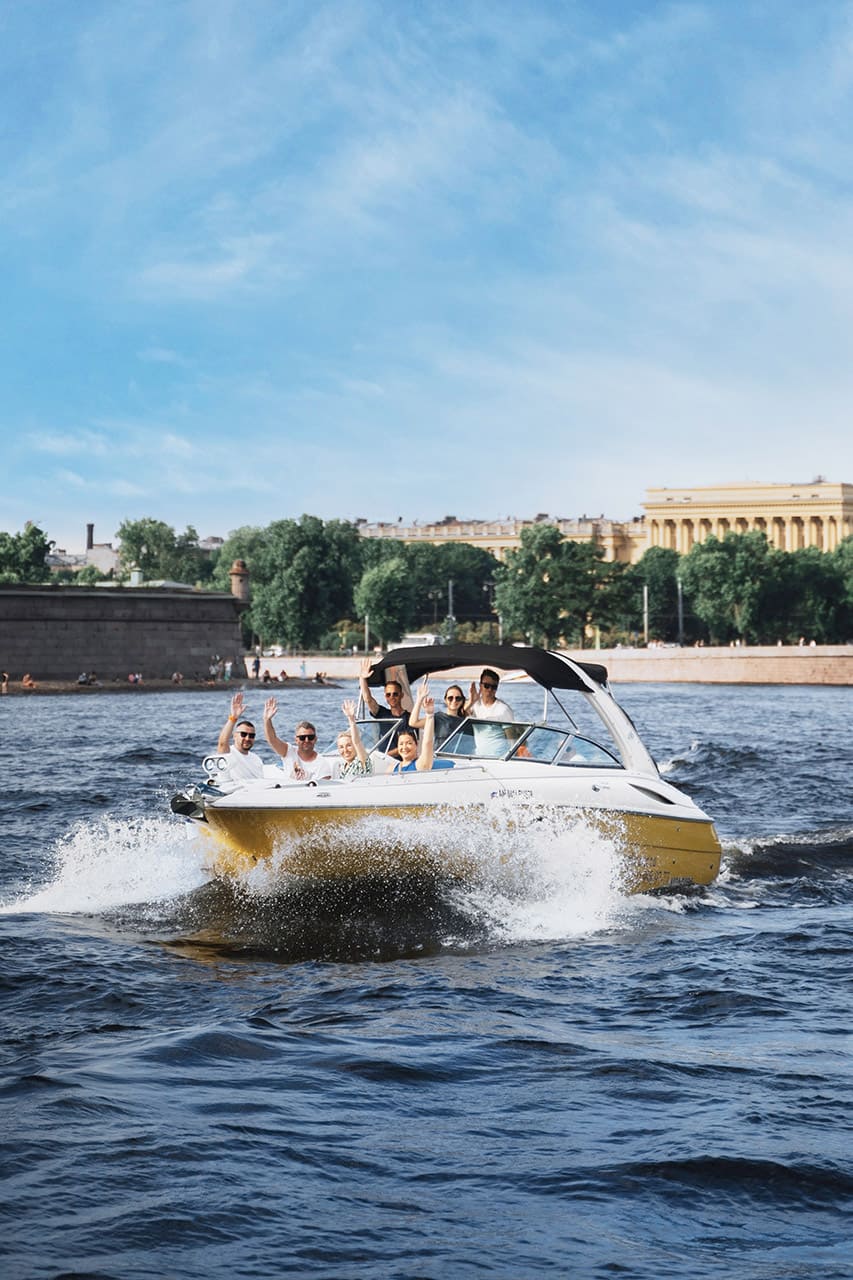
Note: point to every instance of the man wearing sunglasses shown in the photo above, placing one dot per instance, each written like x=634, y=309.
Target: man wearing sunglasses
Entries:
x=395, y=709
x=304, y=764
x=483, y=702
x=242, y=763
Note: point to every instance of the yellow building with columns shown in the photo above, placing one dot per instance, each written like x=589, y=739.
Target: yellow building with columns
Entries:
x=793, y=516
x=619, y=539
x=817, y=514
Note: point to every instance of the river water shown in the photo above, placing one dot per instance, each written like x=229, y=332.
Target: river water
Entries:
x=532, y=1075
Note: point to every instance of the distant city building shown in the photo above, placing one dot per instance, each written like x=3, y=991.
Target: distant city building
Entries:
x=818, y=514
x=211, y=545
x=101, y=554
x=620, y=540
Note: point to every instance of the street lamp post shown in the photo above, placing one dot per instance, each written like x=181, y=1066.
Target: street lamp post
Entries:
x=489, y=593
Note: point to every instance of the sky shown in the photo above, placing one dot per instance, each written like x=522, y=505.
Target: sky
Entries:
x=409, y=258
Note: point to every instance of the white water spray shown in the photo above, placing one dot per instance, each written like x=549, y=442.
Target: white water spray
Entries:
x=117, y=862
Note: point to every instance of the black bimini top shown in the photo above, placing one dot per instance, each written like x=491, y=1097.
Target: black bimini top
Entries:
x=546, y=668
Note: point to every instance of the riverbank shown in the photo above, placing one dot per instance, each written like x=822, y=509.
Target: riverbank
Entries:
x=72, y=688
x=739, y=664
x=761, y=664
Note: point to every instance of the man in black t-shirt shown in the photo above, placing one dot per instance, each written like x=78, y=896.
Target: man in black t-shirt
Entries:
x=393, y=711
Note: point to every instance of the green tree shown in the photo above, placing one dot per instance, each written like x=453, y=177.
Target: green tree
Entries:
x=658, y=569
x=23, y=555
x=89, y=575
x=245, y=543
x=302, y=574
x=386, y=595
x=843, y=557
x=809, y=599
x=589, y=590
x=433, y=568
x=552, y=589
x=153, y=547
x=731, y=585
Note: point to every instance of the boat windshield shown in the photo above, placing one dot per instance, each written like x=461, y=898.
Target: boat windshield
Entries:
x=500, y=740
x=375, y=734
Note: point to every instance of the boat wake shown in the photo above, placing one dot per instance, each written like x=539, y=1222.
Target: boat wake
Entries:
x=112, y=863
x=524, y=882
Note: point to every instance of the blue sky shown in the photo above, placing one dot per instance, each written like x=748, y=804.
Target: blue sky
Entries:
x=409, y=258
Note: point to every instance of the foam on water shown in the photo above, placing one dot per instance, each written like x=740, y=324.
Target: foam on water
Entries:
x=560, y=883
x=117, y=862
x=522, y=879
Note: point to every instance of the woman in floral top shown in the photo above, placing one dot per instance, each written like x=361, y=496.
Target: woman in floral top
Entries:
x=354, y=761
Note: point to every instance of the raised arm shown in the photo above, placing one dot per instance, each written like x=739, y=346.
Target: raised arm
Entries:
x=348, y=709
x=427, y=751
x=366, y=668
x=473, y=697
x=279, y=747
x=237, y=709
x=416, y=720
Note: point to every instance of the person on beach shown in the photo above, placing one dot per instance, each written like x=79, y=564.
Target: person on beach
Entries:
x=395, y=709
x=242, y=765
x=27, y=681
x=304, y=763
x=354, y=761
x=4, y=682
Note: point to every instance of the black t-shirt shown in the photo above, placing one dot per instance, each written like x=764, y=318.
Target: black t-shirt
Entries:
x=385, y=713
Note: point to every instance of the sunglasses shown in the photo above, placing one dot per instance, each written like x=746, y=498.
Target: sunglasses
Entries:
x=306, y=737
x=487, y=684
x=453, y=697
x=246, y=735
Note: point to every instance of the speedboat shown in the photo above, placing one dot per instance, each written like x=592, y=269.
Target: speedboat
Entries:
x=507, y=778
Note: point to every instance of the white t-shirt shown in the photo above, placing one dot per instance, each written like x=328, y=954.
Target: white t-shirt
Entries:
x=242, y=768
x=497, y=711
x=314, y=770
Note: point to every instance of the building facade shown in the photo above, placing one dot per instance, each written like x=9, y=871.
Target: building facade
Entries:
x=818, y=514
x=618, y=539
x=56, y=631
x=793, y=516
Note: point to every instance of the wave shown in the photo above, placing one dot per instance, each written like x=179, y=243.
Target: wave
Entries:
x=711, y=757
x=114, y=862
x=810, y=853
x=536, y=883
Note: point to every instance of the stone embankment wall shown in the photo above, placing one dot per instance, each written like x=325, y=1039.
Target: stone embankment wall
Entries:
x=759, y=664
x=786, y=664
x=55, y=632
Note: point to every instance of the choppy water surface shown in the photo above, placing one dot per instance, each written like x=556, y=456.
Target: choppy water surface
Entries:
x=532, y=1075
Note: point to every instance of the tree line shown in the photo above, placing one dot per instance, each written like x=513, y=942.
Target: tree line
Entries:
x=314, y=583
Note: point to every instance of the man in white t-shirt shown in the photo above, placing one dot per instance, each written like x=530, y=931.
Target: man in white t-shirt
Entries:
x=242, y=764
x=483, y=702
x=304, y=764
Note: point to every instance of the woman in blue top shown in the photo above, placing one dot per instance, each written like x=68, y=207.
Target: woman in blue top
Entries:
x=411, y=758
